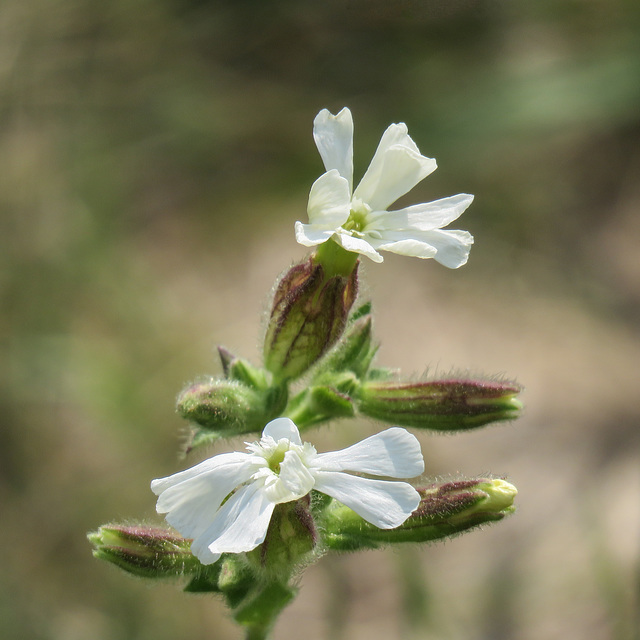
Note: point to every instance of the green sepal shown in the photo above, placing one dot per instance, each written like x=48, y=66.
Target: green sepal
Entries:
x=331, y=403
x=380, y=373
x=201, y=438
x=290, y=538
x=363, y=310
x=262, y=607
x=225, y=408
x=309, y=314
x=353, y=353
x=148, y=552
x=440, y=405
x=319, y=404
x=202, y=584
x=243, y=371
x=236, y=579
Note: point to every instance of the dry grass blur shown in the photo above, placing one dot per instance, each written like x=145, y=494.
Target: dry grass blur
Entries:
x=155, y=155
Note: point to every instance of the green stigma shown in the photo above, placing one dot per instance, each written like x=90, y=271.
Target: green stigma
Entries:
x=275, y=459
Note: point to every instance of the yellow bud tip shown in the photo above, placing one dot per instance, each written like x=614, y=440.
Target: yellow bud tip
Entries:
x=500, y=495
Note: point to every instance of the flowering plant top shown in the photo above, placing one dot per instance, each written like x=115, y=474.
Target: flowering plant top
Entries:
x=247, y=523
x=225, y=503
x=358, y=220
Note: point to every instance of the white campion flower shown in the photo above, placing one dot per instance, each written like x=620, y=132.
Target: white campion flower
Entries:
x=225, y=503
x=358, y=220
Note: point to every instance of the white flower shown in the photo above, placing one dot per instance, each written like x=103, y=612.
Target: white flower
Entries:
x=358, y=220
x=225, y=503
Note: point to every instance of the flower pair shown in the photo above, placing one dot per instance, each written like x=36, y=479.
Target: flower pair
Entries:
x=226, y=502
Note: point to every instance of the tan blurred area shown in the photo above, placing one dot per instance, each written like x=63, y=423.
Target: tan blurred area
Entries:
x=154, y=158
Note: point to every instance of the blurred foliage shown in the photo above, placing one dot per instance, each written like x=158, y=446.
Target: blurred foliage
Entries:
x=145, y=141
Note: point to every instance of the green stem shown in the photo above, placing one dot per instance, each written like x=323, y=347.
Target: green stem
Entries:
x=257, y=633
x=335, y=260
x=299, y=411
x=258, y=614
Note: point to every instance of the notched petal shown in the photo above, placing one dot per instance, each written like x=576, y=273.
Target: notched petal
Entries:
x=394, y=453
x=383, y=503
x=333, y=136
x=283, y=428
x=392, y=175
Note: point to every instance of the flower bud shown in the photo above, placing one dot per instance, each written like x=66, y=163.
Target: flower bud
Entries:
x=235, y=579
x=241, y=370
x=443, y=405
x=291, y=536
x=328, y=402
x=229, y=407
x=353, y=353
x=149, y=552
x=445, y=509
x=308, y=316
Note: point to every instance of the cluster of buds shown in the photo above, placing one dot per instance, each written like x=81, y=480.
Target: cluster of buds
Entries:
x=313, y=332
x=344, y=384
x=309, y=313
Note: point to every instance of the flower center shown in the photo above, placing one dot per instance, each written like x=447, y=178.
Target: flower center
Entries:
x=357, y=221
x=286, y=475
x=275, y=459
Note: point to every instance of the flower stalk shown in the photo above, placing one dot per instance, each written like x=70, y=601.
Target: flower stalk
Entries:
x=247, y=522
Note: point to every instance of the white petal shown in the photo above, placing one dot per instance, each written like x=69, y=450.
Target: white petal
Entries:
x=224, y=461
x=205, y=556
x=397, y=166
x=191, y=504
x=449, y=247
x=329, y=201
x=310, y=236
x=453, y=246
x=383, y=503
x=357, y=245
x=421, y=217
x=394, y=453
x=240, y=525
x=334, y=138
x=407, y=247
x=283, y=428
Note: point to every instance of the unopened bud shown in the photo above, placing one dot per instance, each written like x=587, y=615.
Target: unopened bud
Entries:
x=327, y=401
x=308, y=316
x=443, y=405
x=229, y=407
x=144, y=551
x=353, y=353
x=445, y=509
x=242, y=370
x=291, y=536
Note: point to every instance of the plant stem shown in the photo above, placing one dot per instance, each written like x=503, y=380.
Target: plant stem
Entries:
x=257, y=633
x=335, y=260
x=259, y=612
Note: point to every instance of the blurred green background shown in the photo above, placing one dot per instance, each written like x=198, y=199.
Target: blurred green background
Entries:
x=155, y=155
